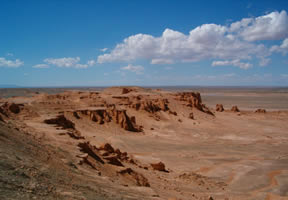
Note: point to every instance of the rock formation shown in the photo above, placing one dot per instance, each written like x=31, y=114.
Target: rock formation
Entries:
x=194, y=100
x=191, y=115
x=235, y=109
x=260, y=110
x=151, y=105
x=64, y=123
x=61, y=121
x=219, y=108
x=159, y=166
x=126, y=90
x=139, y=179
x=91, y=150
x=7, y=108
x=102, y=116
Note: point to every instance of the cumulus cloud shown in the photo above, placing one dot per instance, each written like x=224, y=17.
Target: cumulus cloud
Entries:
x=10, y=54
x=69, y=62
x=235, y=63
x=104, y=49
x=10, y=63
x=161, y=61
x=41, y=66
x=273, y=26
x=283, y=48
x=208, y=41
x=63, y=62
x=138, y=69
x=91, y=62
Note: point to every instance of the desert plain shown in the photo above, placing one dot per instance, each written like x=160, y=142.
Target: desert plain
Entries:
x=143, y=143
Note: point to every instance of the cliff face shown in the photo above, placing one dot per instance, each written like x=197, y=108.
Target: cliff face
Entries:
x=151, y=105
x=194, y=100
x=102, y=116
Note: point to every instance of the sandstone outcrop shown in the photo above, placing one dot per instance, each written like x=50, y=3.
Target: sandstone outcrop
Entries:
x=191, y=115
x=159, y=166
x=113, y=160
x=64, y=123
x=126, y=90
x=102, y=116
x=91, y=150
x=61, y=121
x=193, y=98
x=75, y=134
x=194, y=101
x=235, y=109
x=105, y=154
x=260, y=110
x=151, y=105
x=219, y=108
x=7, y=108
x=107, y=147
x=139, y=179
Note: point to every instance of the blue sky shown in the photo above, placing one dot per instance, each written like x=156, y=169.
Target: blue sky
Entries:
x=149, y=43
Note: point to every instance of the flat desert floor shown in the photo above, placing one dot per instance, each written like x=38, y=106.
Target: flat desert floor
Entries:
x=141, y=143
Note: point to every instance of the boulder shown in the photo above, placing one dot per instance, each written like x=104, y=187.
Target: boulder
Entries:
x=235, y=109
x=14, y=108
x=159, y=166
x=61, y=121
x=75, y=134
x=191, y=115
x=113, y=160
x=7, y=108
x=91, y=150
x=138, y=178
x=126, y=90
x=172, y=113
x=219, y=108
x=260, y=110
x=107, y=147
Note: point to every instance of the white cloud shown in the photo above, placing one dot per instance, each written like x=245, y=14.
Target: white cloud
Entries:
x=91, y=62
x=104, y=49
x=235, y=63
x=264, y=61
x=10, y=63
x=204, y=42
x=283, y=48
x=10, y=54
x=63, y=62
x=69, y=62
x=273, y=26
x=41, y=66
x=208, y=41
x=161, y=61
x=138, y=69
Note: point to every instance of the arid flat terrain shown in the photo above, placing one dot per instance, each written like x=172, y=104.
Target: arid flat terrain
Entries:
x=141, y=143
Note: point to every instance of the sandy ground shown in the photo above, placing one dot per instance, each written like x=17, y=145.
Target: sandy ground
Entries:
x=224, y=155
